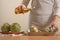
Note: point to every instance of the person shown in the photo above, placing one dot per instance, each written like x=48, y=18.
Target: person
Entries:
x=43, y=12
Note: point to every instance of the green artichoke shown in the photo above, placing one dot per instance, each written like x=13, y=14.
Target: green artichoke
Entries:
x=15, y=27
x=5, y=27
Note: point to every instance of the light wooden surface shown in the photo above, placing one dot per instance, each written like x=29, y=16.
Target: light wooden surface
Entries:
x=31, y=38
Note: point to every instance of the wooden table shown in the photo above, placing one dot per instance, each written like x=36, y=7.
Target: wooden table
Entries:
x=31, y=38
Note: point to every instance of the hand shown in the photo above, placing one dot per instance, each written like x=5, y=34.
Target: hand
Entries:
x=54, y=22
x=55, y=26
x=21, y=7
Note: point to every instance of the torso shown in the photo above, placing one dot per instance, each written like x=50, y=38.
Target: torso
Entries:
x=43, y=11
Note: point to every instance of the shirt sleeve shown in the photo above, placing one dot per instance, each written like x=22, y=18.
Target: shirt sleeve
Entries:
x=57, y=7
x=25, y=2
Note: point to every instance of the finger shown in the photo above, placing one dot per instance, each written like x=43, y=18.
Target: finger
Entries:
x=55, y=27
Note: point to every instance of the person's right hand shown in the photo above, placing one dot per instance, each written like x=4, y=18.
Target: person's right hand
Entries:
x=21, y=7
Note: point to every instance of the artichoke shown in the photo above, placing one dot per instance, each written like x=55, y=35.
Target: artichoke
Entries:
x=15, y=27
x=5, y=27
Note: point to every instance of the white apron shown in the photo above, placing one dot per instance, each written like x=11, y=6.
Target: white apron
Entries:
x=42, y=12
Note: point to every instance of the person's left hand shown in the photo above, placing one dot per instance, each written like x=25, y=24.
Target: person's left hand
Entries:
x=55, y=22
x=55, y=25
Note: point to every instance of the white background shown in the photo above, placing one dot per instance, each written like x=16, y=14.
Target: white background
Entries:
x=7, y=14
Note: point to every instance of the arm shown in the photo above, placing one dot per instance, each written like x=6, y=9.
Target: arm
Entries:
x=56, y=16
x=57, y=9
x=25, y=2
